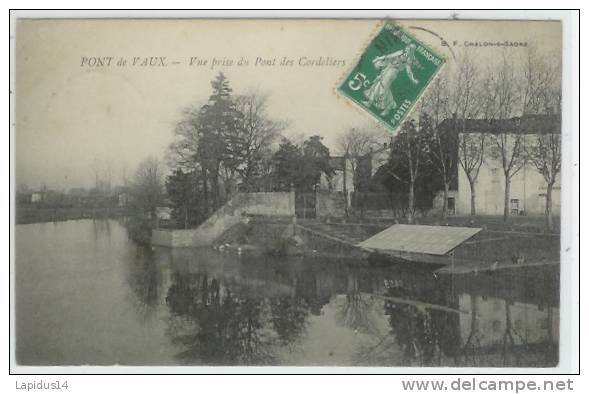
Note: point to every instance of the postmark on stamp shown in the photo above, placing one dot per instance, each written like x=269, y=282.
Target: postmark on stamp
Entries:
x=391, y=75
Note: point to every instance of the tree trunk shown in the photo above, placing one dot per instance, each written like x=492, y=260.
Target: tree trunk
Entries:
x=506, y=200
x=345, y=191
x=411, y=202
x=215, y=189
x=205, y=191
x=445, y=203
x=185, y=217
x=473, y=205
x=549, y=206
x=228, y=190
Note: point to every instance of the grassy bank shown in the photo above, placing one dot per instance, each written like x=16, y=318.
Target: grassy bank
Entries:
x=527, y=224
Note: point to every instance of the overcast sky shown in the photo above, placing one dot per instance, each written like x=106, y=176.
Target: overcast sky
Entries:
x=71, y=118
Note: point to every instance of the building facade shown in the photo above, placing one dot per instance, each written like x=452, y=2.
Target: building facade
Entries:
x=527, y=194
x=528, y=186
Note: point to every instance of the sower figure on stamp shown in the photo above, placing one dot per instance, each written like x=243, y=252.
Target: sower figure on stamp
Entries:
x=379, y=94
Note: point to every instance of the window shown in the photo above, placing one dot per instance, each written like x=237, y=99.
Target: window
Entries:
x=495, y=175
x=515, y=206
x=451, y=206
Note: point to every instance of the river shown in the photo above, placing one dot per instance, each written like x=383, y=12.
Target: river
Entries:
x=86, y=294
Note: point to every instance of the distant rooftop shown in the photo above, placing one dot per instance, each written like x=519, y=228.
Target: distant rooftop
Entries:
x=337, y=163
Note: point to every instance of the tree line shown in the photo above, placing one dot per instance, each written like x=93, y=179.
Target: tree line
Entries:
x=232, y=144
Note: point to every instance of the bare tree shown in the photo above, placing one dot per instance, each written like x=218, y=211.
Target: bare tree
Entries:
x=220, y=159
x=466, y=101
x=471, y=154
x=542, y=96
x=508, y=140
x=148, y=186
x=250, y=147
x=442, y=141
x=183, y=152
x=408, y=152
x=544, y=154
x=527, y=91
x=540, y=84
x=355, y=144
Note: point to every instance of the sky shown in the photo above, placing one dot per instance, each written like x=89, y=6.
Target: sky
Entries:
x=73, y=116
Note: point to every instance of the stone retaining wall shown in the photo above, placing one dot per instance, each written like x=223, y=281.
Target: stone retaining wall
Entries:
x=280, y=204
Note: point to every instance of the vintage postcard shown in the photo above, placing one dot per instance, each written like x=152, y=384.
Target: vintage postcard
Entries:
x=288, y=192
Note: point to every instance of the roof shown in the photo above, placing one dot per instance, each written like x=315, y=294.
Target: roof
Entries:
x=528, y=124
x=337, y=163
x=435, y=240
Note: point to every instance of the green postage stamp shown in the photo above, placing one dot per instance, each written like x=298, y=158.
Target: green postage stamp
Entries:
x=391, y=75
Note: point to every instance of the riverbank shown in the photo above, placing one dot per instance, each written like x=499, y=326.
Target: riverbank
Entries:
x=488, y=250
x=27, y=215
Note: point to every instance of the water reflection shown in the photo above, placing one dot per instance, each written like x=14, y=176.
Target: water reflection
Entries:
x=259, y=310
x=202, y=307
x=145, y=279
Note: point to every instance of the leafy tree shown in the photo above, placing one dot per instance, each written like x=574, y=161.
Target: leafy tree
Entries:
x=224, y=142
x=287, y=166
x=301, y=166
x=184, y=193
x=289, y=317
x=224, y=329
x=316, y=157
x=217, y=124
x=423, y=334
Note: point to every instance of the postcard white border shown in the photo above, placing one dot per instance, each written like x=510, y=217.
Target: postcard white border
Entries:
x=569, y=302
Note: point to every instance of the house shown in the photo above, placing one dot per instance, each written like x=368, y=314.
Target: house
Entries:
x=342, y=178
x=528, y=187
x=122, y=199
x=349, y=173
x=373, y=160
x=163, y=213
x=37, y=197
